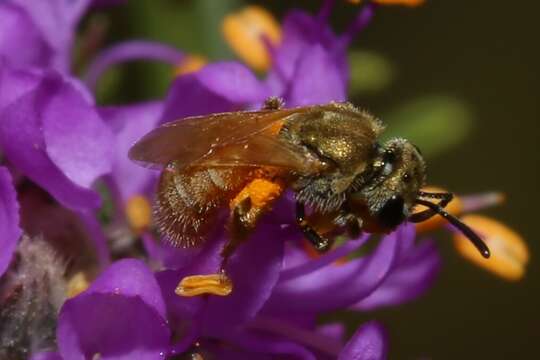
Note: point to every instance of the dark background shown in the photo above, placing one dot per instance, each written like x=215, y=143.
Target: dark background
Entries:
x=484, y=53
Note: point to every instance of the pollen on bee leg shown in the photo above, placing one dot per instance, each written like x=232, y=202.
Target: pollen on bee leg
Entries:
x=248, y=32
x=138, y=213
x=212, y=284
x=509, y=253
x=190, y=64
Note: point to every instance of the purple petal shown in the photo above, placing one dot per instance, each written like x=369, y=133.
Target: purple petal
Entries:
x=121, y=316
x=46, y=355
x=337, y=286
x=301, y=34
x=368, y=343
x=217, y=87
x=14, y=84
x=9, y=219
x=317, y=79
x=130, y=123
x=411, y=278
x=56, y=20
x=254, y=270
x=21, y=42
x=279, y=347
x=58, y=140
x=129, y=51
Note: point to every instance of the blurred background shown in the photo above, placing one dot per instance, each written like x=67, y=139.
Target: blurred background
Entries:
x=470, y=65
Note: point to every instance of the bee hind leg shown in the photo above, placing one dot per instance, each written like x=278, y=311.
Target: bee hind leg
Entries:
x=320, y=243
x=242, y=221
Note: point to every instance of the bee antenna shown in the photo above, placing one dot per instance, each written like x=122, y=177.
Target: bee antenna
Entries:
x=466, y=230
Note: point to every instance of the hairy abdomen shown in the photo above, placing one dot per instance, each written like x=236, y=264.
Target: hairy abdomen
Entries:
x=189, y=200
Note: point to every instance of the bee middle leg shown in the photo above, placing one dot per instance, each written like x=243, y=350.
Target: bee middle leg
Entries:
x=320, y=243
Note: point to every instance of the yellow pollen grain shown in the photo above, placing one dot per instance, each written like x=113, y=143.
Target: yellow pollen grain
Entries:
x=138, y=213
x=245, y=30
x=190, y=64
x=77, y=284
x=455, y=207
x=509, y=252
x=213, y=284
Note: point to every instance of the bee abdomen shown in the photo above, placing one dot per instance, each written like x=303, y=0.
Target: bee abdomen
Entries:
x=188, y=202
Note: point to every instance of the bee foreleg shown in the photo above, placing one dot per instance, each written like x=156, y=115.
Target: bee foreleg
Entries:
x=350, y=221
x=321, y=244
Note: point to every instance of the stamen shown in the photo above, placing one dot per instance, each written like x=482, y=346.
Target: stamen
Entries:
x=249, y=32
x=509, y=252
x=190, y=64
x=138, y=213
x=77, y=284
x=213, y=284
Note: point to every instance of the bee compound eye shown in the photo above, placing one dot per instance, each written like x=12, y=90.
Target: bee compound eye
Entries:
x=406, y=177
x=392, y=214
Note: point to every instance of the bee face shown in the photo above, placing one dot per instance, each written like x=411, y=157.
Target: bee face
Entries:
x=398, y=173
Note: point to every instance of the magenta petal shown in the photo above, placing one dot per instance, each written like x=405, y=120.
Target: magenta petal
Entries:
x=56, y=21
x=121, y=316
x=9, y=219
x=21, y=42
x=55, y=138
x=410, y=279
x=337, y=286
x=368, y=343
x=259, y=345
x=130, y=123
x=217, y=87
x=254, y=270
x=16, y=83
x=317, y=79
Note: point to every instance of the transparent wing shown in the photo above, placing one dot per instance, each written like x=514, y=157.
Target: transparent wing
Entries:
x=234, y=139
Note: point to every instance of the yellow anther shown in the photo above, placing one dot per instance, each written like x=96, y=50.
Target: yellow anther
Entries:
x=77, y=284
x=455, y=207
x=138, y=213
x=213, y=284
x=190, y=64
x=245, y=32
x=509, y=253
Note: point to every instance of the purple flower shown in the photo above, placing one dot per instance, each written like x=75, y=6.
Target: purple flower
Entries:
x=39, y=33
x=53, y=134
x=9, y=219
x=121, y=316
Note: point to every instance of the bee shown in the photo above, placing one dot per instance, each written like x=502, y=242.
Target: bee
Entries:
x=328, y=155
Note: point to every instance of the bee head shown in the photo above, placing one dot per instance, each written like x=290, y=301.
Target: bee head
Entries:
x=398, y=174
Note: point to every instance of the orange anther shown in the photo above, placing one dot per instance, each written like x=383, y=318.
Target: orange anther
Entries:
x=190, y=64
x=138, y=213
x=245, y=32
x=77, y=284
x=509, y=253
x=213, y=284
